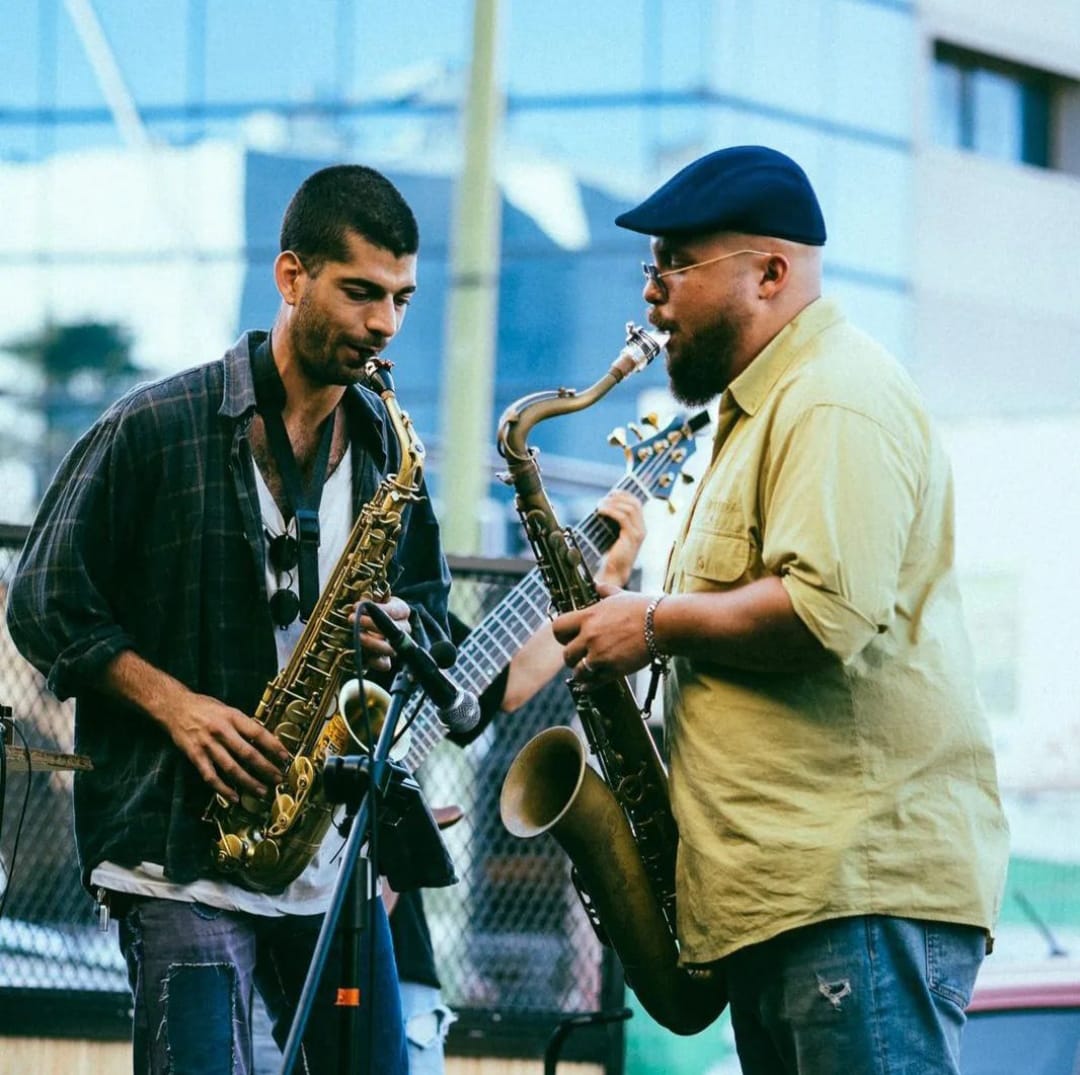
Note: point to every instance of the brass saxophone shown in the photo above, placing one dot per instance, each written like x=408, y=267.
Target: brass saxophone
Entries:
x=619, y=832
x=261, y=845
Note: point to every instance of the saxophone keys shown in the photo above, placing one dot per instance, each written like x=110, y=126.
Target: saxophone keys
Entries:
x=230, y=851
x=252, y=804
x=265, y=856
x=282, y=815
x=290, y=733
x=301, y=775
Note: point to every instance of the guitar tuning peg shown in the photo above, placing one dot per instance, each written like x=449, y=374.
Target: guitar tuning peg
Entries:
x=617, y=439
x=636, y=430
x=671, y=508
x=687, y=479
x=651, y=419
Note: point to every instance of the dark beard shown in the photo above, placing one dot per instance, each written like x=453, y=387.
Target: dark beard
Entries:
x=702, y=368
x=313, y=344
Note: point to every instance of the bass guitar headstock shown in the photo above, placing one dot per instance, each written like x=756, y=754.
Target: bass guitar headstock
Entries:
x=655, y=463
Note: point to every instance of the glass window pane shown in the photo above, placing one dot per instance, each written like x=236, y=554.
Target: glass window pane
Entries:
x=948, y=104
x=997, y=112
x=1036, y=120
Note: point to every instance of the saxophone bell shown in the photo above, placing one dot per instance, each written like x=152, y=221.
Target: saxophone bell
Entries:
x=551, y=788
x=356, y=697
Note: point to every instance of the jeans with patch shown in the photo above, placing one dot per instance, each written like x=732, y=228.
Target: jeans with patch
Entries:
x=871, y=995
x=193, y=971
x=427, y=1022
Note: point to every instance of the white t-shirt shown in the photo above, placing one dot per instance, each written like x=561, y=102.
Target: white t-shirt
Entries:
x=310, y=892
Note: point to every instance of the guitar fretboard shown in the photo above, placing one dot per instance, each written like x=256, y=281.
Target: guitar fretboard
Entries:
x=491, y=645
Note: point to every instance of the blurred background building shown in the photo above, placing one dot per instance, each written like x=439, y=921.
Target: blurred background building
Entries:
x=147, y=151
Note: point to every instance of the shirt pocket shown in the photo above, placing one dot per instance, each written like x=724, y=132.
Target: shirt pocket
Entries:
x=715, y=560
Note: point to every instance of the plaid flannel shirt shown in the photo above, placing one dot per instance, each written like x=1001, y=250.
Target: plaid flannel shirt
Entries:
x=150, y=539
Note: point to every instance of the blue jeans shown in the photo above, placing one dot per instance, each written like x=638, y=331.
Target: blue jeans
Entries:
x=867, y=995
x=427, y=1020
x=193, y=970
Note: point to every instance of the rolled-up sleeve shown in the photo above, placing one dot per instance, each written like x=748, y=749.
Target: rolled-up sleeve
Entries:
x=61, y=605
x=839, y=508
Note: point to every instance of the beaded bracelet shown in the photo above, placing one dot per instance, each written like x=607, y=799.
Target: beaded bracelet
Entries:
x=657, y=655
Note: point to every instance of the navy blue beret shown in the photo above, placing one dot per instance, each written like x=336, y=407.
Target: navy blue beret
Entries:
x=749, y=189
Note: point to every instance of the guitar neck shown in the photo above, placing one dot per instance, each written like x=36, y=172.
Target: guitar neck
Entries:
x=491, y=645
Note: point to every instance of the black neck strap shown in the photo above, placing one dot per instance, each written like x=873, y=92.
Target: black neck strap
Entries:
x=302, y=497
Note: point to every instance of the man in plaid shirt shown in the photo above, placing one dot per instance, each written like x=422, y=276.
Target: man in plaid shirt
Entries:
x=158, y=589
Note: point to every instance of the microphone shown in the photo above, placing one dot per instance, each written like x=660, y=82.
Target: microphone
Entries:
x=458, y=710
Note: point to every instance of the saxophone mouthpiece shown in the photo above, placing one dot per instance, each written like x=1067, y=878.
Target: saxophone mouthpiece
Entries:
x=377, y=375
x=641, y=347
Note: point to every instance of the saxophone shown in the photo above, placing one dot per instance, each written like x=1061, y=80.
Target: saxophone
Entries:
x=261, y=845
x=619, y=832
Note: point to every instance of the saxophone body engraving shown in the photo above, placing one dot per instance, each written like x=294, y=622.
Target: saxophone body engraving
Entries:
x=618, y=831
x=310, y=705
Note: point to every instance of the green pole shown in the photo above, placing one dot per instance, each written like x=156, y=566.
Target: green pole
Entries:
x=468, y=388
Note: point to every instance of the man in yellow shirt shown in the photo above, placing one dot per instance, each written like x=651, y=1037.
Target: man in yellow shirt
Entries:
x=842, y=845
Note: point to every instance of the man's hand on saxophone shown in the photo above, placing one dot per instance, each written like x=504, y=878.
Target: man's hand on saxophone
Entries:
x=605, y=640
x=378, y=653
x=234, y=754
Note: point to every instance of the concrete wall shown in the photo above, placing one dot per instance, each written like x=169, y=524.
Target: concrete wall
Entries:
x=997, y=322
x=1040, y=33
x=997, y=352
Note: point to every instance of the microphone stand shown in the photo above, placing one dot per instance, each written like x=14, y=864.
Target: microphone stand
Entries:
x=351, y=894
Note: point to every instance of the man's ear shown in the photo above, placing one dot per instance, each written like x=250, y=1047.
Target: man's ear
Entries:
x=774, y=276
x=288, y=272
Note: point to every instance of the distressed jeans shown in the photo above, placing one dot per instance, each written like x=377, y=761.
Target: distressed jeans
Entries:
x=869, y=995
x=427, y=1022
x=193, y=970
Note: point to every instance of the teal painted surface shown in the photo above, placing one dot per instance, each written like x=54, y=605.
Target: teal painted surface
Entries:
x=652, y=1050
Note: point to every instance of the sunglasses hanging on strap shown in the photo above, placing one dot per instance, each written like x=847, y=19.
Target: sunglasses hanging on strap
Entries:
x=302, y=497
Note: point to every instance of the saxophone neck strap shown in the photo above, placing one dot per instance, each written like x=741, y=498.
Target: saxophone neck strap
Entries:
x=302, y=496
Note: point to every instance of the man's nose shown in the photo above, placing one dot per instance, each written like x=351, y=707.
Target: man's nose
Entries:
x=383, y=318
x=654, y=292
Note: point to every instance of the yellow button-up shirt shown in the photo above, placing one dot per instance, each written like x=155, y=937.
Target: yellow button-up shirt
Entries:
x=867, y=786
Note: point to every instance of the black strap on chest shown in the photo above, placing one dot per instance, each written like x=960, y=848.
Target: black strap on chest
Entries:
x=301, y=497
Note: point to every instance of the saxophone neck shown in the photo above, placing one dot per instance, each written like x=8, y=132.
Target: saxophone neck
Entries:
x=640, y=348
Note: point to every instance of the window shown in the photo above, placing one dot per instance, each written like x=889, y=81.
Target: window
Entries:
x=992, y=107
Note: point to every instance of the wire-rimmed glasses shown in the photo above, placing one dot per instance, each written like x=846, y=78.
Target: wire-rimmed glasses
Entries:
x=656, y=277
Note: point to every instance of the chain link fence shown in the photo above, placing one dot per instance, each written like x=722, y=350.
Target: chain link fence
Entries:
x=512, y=942
x=48, y=937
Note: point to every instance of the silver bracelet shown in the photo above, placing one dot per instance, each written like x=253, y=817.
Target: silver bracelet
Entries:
x=655, y=653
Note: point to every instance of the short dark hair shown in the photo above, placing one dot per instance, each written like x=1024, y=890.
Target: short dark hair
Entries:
x=342, y=198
